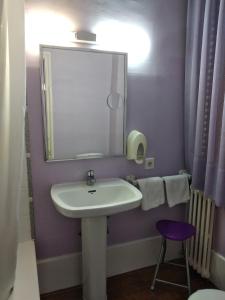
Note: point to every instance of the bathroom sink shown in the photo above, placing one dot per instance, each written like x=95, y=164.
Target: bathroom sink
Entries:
x=105, y=197
x=93, y=204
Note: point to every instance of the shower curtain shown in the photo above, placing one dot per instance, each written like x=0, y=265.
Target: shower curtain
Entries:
x=12, y=107
x=204, y=97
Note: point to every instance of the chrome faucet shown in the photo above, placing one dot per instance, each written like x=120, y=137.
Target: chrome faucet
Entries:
x=91, y=177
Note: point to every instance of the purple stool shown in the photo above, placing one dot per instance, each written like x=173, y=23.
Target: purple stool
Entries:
x=176, y=231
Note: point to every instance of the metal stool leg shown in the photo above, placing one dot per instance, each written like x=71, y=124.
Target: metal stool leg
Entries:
x=187, y=267
x=164, y=250
x=161, y=256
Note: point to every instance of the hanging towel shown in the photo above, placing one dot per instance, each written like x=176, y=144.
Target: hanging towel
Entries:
x=177, y=189
x=153, y=192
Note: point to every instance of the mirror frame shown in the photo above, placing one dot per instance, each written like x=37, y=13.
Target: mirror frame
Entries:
x=43, y=100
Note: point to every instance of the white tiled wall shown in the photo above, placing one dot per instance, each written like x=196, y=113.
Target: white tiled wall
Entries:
x=24, y=214
x=26, y=282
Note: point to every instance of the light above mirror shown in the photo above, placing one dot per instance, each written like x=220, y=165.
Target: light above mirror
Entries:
x=47, y=27
x=126, y=37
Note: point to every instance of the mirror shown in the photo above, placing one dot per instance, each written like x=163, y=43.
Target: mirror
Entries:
x=84, y=102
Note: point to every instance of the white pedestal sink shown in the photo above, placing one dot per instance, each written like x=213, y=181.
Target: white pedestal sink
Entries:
x=93, y=204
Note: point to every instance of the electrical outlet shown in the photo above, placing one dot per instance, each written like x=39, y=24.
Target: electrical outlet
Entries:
x=149, y=163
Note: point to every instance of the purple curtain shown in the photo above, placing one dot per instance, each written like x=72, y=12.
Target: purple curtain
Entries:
x=204, y=97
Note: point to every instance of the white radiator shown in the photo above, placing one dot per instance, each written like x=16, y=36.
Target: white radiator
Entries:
x=201, y=215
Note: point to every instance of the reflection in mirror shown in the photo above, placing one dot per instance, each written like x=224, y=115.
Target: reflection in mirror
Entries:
x=84, y=102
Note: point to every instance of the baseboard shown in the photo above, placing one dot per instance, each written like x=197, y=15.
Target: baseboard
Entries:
x=65, y=271
x=218, y=270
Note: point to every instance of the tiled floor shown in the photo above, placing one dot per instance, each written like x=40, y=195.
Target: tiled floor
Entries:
x=135, y=286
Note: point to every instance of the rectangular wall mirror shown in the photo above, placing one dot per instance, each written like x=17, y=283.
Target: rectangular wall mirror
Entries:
x=84, y=102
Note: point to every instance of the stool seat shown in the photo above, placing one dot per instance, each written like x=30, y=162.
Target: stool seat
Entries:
x=175, y=230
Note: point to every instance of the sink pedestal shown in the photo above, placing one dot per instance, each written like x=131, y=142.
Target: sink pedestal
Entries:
x=94, y=235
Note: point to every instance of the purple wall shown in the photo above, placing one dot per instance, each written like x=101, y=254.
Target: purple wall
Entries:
x=154, y=106
x=219, y=231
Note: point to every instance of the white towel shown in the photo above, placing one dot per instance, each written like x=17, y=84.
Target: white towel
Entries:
x=177, y=189
x=153, y=192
